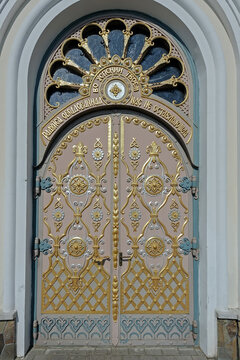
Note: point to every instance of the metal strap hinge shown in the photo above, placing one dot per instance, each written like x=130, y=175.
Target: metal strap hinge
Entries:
x=36, y=249
x=195, y=329
x=195, y=249
x=35, y=330
x=194, y=187
x=42, y=184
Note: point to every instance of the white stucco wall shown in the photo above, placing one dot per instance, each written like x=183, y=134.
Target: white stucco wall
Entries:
x=211, y=38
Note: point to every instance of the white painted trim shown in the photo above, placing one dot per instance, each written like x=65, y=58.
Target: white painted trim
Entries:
x=39, y=26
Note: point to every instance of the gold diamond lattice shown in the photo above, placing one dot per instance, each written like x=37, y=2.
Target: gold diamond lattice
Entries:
x=115, y=90
x=137, y=295
x=93, y=296
x=78, y=185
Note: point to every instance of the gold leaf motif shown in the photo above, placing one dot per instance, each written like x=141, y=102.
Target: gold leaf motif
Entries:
x=115, y=154
x=115, y=297
x=115, y=225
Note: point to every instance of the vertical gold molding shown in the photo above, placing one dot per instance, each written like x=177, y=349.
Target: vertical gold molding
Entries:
x=115, y=154
x=115, y=225
x=110, y=136
x=115, y=297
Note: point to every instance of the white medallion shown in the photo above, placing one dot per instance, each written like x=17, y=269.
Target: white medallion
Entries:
x=116, y=90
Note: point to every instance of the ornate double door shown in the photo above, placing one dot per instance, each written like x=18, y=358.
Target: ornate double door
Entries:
x=115, y=219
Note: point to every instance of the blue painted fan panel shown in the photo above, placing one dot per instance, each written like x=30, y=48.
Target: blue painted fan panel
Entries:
x=62, y=96
x=67, y=75
x=170, y=94
x=135, y=46
x=165, y=73
x=116, y=42
x=97, y=46
x=78, y=56
x=152, y=57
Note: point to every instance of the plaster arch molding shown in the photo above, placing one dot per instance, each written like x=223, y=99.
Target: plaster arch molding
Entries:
x=33, y=26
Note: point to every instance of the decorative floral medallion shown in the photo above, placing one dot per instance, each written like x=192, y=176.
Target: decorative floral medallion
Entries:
x=78, y=185
x=174, y=215
x=154, y=246
x=134, y=153
x=76, y=247
x=135, y=215
x=58, y=214
x=97, y=154
x=97, y=215
x=115, y=90
x=153, y=185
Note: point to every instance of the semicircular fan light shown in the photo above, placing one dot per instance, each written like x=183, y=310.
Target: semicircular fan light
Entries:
x=154, y=53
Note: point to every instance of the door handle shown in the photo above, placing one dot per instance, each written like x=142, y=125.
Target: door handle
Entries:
x=102, y=260
x=123, y=258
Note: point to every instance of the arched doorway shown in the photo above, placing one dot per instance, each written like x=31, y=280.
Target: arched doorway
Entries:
x=116, y=244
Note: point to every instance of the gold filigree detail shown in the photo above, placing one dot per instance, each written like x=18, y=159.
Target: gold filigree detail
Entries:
x=78, y=185
x=154, y=246
x=115, y=297
x=115, y=225
x=76, y=247
x=115, y=153
x=153, y=185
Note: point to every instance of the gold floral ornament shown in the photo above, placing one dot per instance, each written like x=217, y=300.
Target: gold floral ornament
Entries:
x=97, y=154
x=153, y=185
x=97, y=215
x=154, y=246
x=174, y=215
x=76, y=247
x=115, y=90
x=58, y=214
x=78, y=185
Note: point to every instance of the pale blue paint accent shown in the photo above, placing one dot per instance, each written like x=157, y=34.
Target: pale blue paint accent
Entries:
x=44, y=246
x=185, y=245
